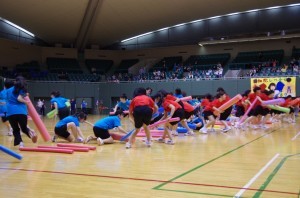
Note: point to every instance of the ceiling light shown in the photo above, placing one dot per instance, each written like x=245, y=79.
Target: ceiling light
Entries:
x=18, y=27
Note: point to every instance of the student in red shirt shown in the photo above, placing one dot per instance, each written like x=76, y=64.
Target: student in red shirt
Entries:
x=140, y=111
x=258, y=111
x=209, y=109
x=188, y=110
x=227, y=112
x=242, y=104
x=171, y=110
x=290, y=117
x=252, y=114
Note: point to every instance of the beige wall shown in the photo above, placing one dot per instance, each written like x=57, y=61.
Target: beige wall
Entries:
x=13, y=53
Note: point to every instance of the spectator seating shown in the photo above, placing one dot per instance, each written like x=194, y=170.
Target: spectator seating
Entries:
x=205, y=62
x=125, y=65
x=167, y=63
x=67, y=65
x=99, y=66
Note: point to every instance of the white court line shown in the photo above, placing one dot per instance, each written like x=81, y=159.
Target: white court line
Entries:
x=295, y=136
x=255, y=177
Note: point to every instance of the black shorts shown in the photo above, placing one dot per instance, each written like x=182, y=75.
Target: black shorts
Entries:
x=142, y=115
x=206, y=114
x=259, y=110
x=63, y=112
x=4, y=118
x=157, y=118
x=179, y=113
x=187, y=115
x=62, y=131
x=101, y=133
x=225, y=114
x=240, y=111
x=291, y=110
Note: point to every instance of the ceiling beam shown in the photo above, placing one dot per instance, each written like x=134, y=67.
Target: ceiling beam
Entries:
x=87, y=23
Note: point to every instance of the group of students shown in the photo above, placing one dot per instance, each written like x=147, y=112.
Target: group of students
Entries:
x=260, y=114
x=143, y=110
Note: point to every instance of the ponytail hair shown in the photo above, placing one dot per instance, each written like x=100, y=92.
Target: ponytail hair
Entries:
x=120, y=112
x=80, y=115
x=20, y=85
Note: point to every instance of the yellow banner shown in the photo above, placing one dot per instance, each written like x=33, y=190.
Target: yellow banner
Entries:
x=282, y=86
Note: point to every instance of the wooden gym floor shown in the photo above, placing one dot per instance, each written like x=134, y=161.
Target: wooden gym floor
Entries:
x=252, y=163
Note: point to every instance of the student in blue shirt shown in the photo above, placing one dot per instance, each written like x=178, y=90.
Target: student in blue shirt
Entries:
x=68, y=128
x=60, y=104
x=101, y=128
x=3, y=105
x=17, y=111
x=123, y=104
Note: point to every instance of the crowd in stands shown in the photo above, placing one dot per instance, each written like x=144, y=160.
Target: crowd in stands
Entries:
x=169, y=68
x=272, y=68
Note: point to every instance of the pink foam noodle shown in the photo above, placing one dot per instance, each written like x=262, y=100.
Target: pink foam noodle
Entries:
x=112, y=112
x=229, y=103
x=49, y=150
x=37, y=120
x=248, y=110
x=187, y=98
x=69, y=148
x=76, y=146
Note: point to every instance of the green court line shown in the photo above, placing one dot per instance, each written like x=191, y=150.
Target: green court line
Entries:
x=271, y=176
x=199, y=193
x=212, y=160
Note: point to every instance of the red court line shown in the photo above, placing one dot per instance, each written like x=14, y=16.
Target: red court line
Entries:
x=148, y=180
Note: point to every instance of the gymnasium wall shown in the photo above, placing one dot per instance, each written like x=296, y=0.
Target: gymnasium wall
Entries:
x=105, y=91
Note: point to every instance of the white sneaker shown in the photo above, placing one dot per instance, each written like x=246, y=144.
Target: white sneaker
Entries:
x=263, y=127
x=161, y=140
x=190, y=133
x=175, y=133
x=79, y=140
x=226, y=129
x=100, y=141
x=148, y=143
x=128, y=145
x=21, y=145
x=203, y=130
x=171, y=142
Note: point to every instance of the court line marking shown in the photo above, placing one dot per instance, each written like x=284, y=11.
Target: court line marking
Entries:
x=272, y=175
x=295, y=137
x=143, y=179
x=198, y=193
x=252, y=180
x=212, y=160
